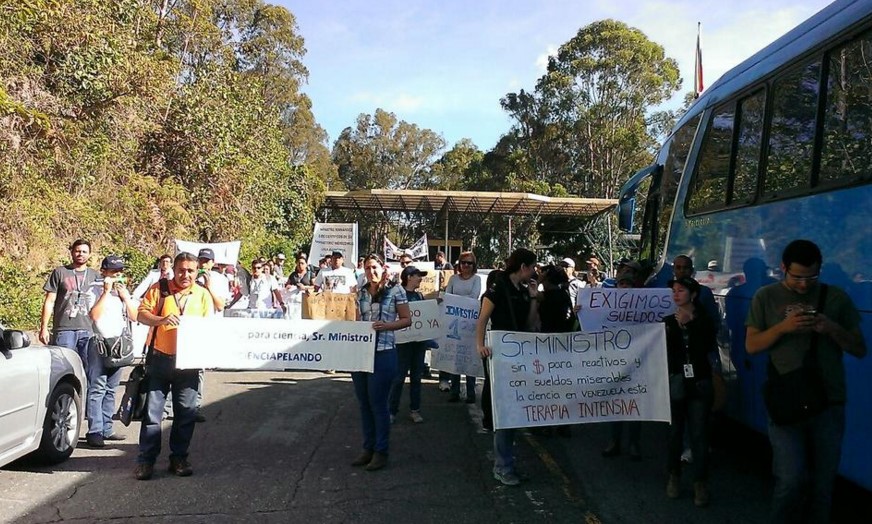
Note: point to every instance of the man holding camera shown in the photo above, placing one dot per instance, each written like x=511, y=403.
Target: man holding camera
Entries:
x=112, y=312
x=795, y=319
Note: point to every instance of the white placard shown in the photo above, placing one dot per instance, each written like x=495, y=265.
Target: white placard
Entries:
x=603, y=307
x=540, y=379
x=426, y=322
x=457, y=352
x=265, y=344
x=225, y=252
x=330, y=237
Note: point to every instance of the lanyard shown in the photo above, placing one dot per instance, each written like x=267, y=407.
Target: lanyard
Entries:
x=181, y=305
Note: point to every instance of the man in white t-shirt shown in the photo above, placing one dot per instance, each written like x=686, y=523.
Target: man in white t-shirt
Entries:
x=265, y=292
x=337, y=278
x=113, y=308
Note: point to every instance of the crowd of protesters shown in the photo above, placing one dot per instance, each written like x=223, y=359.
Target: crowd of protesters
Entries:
x=522, y=296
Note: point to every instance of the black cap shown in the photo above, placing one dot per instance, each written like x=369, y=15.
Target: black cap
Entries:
x=410, y=271
x=113, y=262
x=206, y=253
x=337, y=254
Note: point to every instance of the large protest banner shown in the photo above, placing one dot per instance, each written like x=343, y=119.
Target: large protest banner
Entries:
x=329, y=237
x=225, y=252
x=457, y=351
x=426, y=323
x=263, y=344
x=542, y=379
x=602, y=307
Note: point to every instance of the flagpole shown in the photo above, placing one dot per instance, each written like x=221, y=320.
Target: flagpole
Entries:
x=697, y=66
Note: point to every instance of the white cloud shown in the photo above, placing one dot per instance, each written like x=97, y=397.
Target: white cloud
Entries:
x=542, y=60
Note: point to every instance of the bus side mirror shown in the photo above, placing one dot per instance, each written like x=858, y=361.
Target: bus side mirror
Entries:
x=626, y=212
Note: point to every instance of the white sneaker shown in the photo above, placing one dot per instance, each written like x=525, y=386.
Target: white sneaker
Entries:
x=444, y=386
x=416, y=417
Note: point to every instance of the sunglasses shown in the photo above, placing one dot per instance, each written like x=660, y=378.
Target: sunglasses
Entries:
x=257, y=267
x=466, y=263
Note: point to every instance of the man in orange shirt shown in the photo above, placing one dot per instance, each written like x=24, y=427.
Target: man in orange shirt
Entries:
x=161, y=310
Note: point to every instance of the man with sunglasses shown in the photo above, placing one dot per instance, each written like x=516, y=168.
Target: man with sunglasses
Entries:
x=790, y=321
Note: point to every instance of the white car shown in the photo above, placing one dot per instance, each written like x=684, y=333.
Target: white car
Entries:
x=40, y=400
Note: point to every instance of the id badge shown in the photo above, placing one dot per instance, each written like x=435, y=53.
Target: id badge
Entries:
x=688, y=371
x=74, y=312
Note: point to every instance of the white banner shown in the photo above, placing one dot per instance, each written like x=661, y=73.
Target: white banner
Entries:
x=225, y=252
x=540, y=379
x=426, y=323
x=603, y=307
x=419, y=249
x=328, y=237
x=457, y=351
x=391, y=251
x=264, y=344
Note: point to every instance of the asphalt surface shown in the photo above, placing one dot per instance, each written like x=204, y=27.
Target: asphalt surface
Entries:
x=276, y=447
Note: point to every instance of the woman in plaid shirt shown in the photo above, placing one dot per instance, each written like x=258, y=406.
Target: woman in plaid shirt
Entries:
x=386, y=306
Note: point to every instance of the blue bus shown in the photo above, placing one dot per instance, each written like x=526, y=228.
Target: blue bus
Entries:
x=779, y=148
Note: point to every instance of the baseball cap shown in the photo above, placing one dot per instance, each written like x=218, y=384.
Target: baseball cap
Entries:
x=567, y=262
x=337, y=254
x=411, y=271
x=280, y=256
x=113, y=262
x=206, y=253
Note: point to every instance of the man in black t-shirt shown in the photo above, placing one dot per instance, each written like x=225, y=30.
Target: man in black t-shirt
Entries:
x=67, y=303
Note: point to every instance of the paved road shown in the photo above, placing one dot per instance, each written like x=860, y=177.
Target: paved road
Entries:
x=276, y=448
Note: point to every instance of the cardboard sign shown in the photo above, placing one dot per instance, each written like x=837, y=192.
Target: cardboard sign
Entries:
x=330, y=306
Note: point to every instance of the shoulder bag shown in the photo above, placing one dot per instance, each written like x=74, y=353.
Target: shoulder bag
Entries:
x=133, y=402
x=796, y=396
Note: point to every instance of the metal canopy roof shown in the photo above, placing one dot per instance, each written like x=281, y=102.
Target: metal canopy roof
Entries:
x=465, y=202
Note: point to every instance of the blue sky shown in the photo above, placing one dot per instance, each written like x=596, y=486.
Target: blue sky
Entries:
x=445, y=65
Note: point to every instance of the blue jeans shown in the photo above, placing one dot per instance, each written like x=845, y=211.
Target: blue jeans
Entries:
x=101, y=393
x=504, y=456
x=162, y=376
x=410, y=358
x=75, y=339
x=372, y=390
x=809, y=451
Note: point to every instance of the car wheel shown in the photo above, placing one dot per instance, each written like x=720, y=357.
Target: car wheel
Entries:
x=60, y=430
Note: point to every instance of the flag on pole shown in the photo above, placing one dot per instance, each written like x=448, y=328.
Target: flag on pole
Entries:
x=392, y=252
x=697, y=69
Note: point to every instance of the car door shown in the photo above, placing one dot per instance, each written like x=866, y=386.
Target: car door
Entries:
x=19, y=396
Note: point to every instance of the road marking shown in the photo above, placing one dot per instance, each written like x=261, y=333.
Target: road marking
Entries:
x=565, y=482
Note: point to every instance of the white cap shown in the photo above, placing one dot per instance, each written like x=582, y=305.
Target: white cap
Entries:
x=569, y=262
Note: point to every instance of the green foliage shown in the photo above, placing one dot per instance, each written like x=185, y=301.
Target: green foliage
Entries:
x=20, y=296
x=134, y=122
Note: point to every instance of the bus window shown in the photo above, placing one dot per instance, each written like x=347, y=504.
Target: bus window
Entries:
x=661, y=198
x=847, y=142
x=749, y=140
x=709, y=188
x=791, y=136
